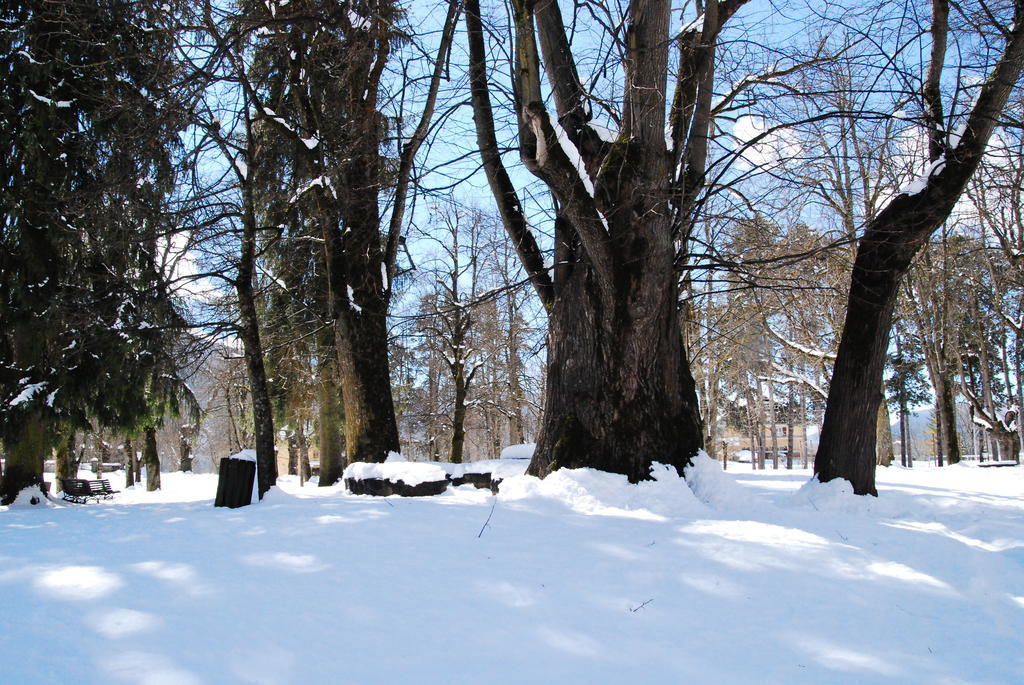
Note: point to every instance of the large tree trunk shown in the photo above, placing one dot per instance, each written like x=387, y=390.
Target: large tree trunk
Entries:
x=847, y=445
x=371, y=431
x=25, y=456
x=619, y=391
x=151, y=459
x=359, y=304
x=357, y=272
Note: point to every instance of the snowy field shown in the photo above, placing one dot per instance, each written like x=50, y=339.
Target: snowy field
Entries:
x=576, y=579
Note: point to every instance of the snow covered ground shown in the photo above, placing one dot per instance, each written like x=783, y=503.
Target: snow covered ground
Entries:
x=576, y=579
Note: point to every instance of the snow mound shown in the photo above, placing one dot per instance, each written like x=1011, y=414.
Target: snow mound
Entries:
x=712, y=486
x=835, y=495
x=593, y=492
x=409, y=472
x=31, y=496
x=523, y=451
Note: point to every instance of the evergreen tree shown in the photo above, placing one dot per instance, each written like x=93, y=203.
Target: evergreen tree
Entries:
x=87, y=124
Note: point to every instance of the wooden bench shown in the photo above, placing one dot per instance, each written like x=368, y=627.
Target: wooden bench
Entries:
x=80, y=490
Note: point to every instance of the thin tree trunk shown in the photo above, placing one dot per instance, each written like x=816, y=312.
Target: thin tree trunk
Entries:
x=293, y=454
x=905, y=457
x=883, y=448
x=951, y=442
x=331, y=418
x=458, y=417
x=259, y=393
x=130, y=471
x=136, y=465
x=789, y=431
x=773, y=419
x=1018, y=354
x=762, y=438
x=151, y=459
x=233, y=435
x=185, y=449
x=304, y=468
x=985, y=364
x=515, y=388
x=65, y=465
x=804, y=456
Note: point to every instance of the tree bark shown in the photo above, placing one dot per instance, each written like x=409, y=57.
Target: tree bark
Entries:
x=304, y=469
x=458, y=414
x=950, y=439
x=151, y=459
x=883, y=448
x=789, y=430
x=65, y=464
x=619, y=391
x=185, y=449
x=331, y=417
x=293, y=454
x=130, y=468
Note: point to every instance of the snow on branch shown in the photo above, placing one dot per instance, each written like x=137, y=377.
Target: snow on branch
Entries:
x=788, y=377
x=802, y=349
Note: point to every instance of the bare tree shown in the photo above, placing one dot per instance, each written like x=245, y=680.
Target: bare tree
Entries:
x=619, y=390
x=895, y=235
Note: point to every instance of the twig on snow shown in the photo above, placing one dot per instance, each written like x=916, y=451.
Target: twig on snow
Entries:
x=494, y=502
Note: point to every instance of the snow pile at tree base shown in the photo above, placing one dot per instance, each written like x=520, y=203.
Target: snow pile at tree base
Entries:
x=712, y=485
x=589, y=491
x=835, y=495
x=32, y=496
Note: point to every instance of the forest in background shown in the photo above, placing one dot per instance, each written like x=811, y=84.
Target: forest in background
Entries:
x=623, y=231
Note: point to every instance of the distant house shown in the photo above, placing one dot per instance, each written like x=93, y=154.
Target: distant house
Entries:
x=742, y=446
